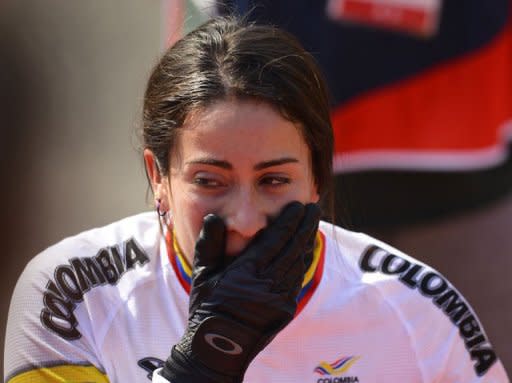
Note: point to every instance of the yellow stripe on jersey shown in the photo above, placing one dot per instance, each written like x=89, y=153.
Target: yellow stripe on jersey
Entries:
x=61, y=374
x=318, y=248
x=183, y=260
x=319, y=244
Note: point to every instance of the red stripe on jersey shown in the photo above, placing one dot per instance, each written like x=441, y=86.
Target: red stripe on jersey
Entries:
x=306, y=294
x=183, y=278
x=317, y=277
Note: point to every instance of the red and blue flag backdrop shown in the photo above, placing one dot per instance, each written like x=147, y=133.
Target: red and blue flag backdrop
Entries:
x=421, y=101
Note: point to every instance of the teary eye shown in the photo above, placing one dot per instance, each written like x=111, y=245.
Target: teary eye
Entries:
x=275, y=180
x=207, y=182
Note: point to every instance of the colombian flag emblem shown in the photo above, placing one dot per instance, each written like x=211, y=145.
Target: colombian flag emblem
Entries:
x=337, y=367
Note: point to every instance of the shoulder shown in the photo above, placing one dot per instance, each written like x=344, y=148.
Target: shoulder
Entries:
x=372, y=262
x=66, y=296
x=136, y=234
x=443, y=327
x=345, y=249
x=100, y=265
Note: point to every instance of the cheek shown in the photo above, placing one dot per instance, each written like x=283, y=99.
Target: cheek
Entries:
x=311, y=189
x=188, y=213
x=306, y=192
x=313, y=193
x=302, y=191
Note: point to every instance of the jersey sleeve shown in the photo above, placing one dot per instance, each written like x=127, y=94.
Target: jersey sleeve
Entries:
x=47, y=337
x=449, y=341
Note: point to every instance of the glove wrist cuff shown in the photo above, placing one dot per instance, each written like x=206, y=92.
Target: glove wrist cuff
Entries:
x=224, y=345
x=178, y=369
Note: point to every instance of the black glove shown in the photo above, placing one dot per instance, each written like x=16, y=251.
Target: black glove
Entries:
x=237, y=308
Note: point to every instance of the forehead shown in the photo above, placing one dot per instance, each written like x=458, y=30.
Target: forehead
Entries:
x=241, y=129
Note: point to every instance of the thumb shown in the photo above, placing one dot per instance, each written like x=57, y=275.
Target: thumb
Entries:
x=209, y=249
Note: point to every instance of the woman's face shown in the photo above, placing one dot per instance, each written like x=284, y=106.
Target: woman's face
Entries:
x=242, y=161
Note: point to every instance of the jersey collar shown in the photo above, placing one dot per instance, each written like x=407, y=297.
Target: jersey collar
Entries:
x=312, y=277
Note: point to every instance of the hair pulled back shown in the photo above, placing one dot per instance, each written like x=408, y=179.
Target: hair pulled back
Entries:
x=229, y=58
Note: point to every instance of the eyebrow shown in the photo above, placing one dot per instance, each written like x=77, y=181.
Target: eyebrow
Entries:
x=228, y=166
x=276, y=162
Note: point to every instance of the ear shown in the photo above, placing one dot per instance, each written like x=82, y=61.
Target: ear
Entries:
x=157, y=180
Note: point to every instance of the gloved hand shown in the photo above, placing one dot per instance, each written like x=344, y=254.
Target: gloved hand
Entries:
x=237, y=308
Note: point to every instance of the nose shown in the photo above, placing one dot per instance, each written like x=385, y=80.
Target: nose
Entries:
x=245, y=215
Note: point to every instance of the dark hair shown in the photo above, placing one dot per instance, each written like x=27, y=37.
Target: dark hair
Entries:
x=230, y=58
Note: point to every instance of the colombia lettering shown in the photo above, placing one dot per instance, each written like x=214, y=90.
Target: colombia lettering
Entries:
x=443, y=294
x=73, y=280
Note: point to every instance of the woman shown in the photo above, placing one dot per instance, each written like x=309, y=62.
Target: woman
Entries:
x=234, y=278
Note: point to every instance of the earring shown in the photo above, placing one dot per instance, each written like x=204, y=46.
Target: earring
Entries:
x=158, y=204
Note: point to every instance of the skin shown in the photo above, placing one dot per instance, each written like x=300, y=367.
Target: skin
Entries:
x=238, y=159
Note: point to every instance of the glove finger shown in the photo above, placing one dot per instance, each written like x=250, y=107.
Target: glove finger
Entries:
x=269, y=243
x=300, y=244
x=310, y=248
x=295, y=289
x=209, y=249
x=290, y=286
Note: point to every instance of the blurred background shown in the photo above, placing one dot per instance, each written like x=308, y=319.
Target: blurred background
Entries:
x=422, y=110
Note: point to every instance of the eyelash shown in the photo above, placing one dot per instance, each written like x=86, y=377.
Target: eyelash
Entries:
x=271, y=181
x=280, y=181
x=208, y=183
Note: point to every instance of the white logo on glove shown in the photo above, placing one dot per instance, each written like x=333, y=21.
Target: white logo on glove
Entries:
x=223, y=344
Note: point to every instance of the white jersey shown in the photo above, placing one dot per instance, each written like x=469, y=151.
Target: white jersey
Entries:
x=108, y=304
